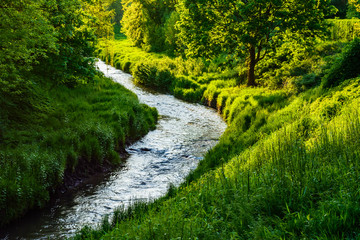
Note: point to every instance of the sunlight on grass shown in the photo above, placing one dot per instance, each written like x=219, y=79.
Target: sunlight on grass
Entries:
x=286, y=167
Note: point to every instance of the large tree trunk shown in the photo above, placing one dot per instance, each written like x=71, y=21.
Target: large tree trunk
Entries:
x=251, y=67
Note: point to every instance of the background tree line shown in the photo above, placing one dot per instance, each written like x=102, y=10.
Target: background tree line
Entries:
x=151, y=24
x=246, y=30
x=59, y=33
x=49, y=40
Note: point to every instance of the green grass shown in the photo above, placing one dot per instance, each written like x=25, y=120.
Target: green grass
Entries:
x=298, y=181
x=89, y=125
x=287, y=166
x=219, y=85
x=344, y=29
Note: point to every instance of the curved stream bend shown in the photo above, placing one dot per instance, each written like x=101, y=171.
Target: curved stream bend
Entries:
x=185, y=132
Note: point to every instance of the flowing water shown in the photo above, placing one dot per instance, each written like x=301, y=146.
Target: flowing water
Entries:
x=185, y=132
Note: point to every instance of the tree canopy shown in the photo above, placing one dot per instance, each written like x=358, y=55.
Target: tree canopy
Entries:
x=61, y=34
x=150, y=24
x=98, y=17
x=248, y=27
x=52, y=40
x=26, y=34
x=356, y=4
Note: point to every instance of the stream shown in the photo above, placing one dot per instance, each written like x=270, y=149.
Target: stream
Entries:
x=184, y=133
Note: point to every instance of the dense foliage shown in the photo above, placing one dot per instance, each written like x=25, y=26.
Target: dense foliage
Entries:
x=117, y=7
x=352, y=12
x=254, y=27
x=348, y=66
x=58, y=116
x=247, y=30
x=73, y=131
x=26, y=35
x=59, y=33
x=149, y=24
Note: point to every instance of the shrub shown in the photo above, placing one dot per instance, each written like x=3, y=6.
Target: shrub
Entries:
x=151, y=76
x=306, y=81
x=348, y=66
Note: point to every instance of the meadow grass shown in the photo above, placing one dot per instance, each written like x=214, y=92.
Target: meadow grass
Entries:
x=89, y=124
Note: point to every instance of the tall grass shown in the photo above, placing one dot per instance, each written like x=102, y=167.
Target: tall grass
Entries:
x=300, y=181
x=344, y=29
x=78, y=130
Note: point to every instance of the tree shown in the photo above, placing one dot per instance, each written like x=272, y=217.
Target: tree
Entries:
x=26, y=35
x=74, y=45
x=53, y=38
x=135, y=21
x=353, y=9
x=99, y=17
x=146, y=23
x=248, y=27
x=356, y=4
x=341, y=6
x=170, y=33
x=77, y=24
x=117, y=7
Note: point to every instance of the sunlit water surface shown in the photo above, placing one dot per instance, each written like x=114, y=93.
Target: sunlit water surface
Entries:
x=185, y=132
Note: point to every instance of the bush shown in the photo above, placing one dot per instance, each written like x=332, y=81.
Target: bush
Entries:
x=151, y=76
x=348, y=66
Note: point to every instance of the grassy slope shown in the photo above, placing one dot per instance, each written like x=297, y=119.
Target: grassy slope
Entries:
x=301, y=181
x=88, y=125
x=287, y=166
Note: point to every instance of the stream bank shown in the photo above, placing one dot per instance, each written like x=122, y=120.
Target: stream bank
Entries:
x=166, y=155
